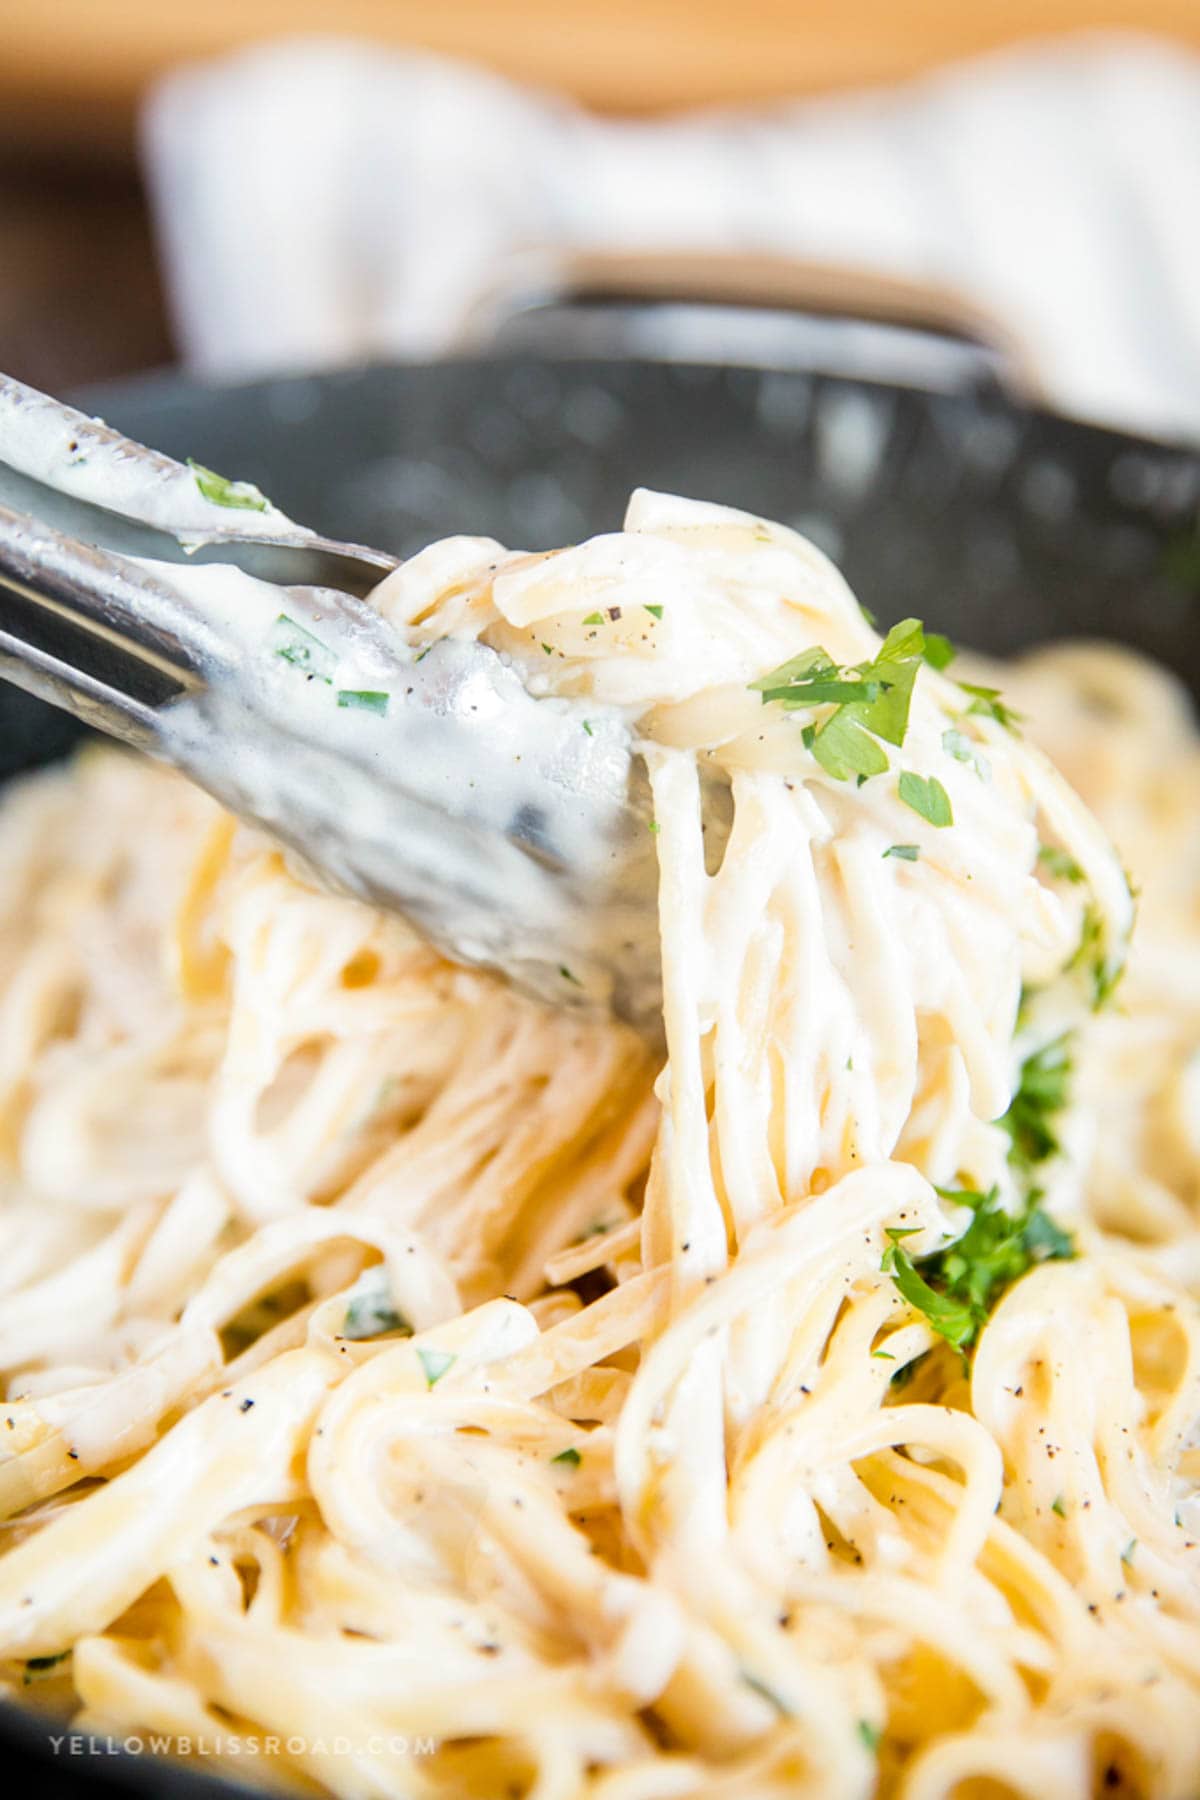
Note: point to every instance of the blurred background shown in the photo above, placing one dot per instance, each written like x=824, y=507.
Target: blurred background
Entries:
x=254, y=184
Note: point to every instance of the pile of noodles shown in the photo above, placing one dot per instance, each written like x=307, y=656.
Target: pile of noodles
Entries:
x=414, y=1392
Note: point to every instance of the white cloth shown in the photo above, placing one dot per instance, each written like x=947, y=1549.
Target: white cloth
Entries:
x=322, y=201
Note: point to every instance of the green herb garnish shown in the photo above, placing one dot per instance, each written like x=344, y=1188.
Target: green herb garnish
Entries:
x=567, y=975
x=1059, y=1506
x=939, y=651
x=960, y=747
x=927, y=797
x=1043, y=1088
x=370, y=700
x=300, y=648
x=957, y=1287
x=594, y=619
x=1059, y=863
x=570, y=1457
x=240, y=495
x=904, y=852
x=987, y=703
x=766, y=1693
x=870, y=1735
x=587, y=726
x=435, y=1364
x=1104, y=970
x=656, y=612
x=871, y=700
x=371, y=1314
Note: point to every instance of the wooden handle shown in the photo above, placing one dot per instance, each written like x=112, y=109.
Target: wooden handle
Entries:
x=68, y=67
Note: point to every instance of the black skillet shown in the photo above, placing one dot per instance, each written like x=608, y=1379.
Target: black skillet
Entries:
x=899, y=445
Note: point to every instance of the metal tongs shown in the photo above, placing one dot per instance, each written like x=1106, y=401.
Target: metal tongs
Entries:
x=188, y=616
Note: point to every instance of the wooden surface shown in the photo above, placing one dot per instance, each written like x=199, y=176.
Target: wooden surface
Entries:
x=80, y=293
x=73, y=68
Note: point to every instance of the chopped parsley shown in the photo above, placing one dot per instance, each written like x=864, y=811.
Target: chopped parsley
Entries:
x=371, y=700
x=587, y=726
x=1059, y=863
x=1103, y=969
x=241, y=495
x=939, y=651
x=301, y=649
x=871, y=700
x=656, y=612
x=1043, y=1088
x=570, y=1457
x=870, y=1735
x=435, y=1364
x=1127, y=1553
x=567, y=975
x=1058, y=1505
x=903, y=852
x=987, y=703
x=370, y=1312
x=926, y=796
x=766, y=1693
x=957, y=1287
x=549, y=649
x=955, y=744
x=594, y=619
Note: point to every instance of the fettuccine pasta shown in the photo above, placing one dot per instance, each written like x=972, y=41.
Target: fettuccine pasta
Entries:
x=412, y=1391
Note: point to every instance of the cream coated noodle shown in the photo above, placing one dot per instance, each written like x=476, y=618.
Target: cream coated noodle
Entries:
x=414, y=1392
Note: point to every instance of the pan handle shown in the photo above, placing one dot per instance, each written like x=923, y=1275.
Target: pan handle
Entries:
x=612, y=303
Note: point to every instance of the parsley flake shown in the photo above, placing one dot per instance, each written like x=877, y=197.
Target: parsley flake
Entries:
x=903, y=852
x=570, y=1457
x=957, y=1287
x=1103, y=968
x=766, y=1693
x=294, y=645
x=871, y=700
x=370, y=700
x=656, y=612
x=869, y=1734
x=939, y=651
x=594, y=618
x=926, y=796
x=435, y=1364
x=241, y=496
x=986, y=703
x=1043, y=1088
x=960, y=747
x=1059, y=863
x=1058, y=1505
x=370, y=1312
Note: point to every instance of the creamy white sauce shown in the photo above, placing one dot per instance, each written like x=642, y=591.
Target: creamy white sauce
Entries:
x=512, y=831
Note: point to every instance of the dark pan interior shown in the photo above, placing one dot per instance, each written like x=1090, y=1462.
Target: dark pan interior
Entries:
x=1001, y=526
